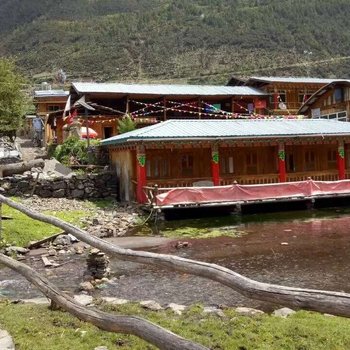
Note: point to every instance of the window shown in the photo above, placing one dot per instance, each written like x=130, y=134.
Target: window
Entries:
x=341, y=116
x=252, y=163
x=226, y=165
x=304, y=95
x=187, y=165
x=52, y=108
x=332, y=159
x=310, y=161
x=338, y=95
x=290, y=164
x=282, y=96
x=157, y=167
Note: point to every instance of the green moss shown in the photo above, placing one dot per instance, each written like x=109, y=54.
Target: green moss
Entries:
x=202, y=232
x=36, y=327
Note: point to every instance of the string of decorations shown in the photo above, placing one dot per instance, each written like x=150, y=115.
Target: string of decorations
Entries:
x=160, y=106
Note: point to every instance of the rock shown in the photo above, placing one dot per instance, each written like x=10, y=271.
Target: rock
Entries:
x=180, y=245
x=51, y=252
x=151, y=305
x=87, y=286
x=77, y=193
x=46, y=261
x=16, y=250
x=59, y=193
x=37, y=301
x=284, y=312
x=176, y=308
x=115, y=301
x=83, y=299
x=213, y=310
x=6, y=342
x=79, y=250
x=247, y=311
x=63, y=240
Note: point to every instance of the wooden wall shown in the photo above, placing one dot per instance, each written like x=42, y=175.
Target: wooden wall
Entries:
x=124, y=163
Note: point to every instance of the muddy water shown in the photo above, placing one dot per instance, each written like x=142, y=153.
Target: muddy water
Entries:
x=303, y=249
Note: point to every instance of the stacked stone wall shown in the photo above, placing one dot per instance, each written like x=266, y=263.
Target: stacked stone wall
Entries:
x=77, y=186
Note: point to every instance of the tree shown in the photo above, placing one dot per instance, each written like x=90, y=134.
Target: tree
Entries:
x=13, y=101
x=126, y=124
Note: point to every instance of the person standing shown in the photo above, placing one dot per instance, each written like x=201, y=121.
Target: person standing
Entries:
x=38, y=125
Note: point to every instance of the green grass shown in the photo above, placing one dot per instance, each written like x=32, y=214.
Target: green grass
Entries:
x=21, y=229
x=36, y=327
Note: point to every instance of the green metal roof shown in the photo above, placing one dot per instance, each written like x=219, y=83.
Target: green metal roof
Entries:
x=232, y=129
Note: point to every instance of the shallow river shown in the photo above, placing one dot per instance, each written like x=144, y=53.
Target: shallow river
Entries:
x=301, y=249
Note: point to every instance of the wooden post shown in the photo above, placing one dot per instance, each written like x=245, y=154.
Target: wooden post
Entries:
x=140, y=174
x=127, y=107
x=199, y=104
x=275, y=99
x=282, y=163
x=164, y=112
x=215, y=165
x=341, y=160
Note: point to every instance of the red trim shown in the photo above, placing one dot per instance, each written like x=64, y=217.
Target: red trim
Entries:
x=282, y=175
x=341, y=167
x=215, y=173
x=141, y=182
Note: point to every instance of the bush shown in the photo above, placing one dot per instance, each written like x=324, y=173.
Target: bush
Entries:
x=76, y=148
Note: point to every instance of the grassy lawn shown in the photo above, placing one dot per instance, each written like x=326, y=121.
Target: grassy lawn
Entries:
x=21, y=229
x=36, y=327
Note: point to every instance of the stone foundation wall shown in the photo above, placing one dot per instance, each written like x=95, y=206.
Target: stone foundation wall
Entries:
x=78, y=186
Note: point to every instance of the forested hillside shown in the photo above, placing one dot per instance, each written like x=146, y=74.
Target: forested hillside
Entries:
x=176, y=40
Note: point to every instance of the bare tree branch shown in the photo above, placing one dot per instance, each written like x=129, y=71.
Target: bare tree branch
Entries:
x=143, y=329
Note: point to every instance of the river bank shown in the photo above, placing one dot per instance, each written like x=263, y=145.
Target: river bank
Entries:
x=309, y=251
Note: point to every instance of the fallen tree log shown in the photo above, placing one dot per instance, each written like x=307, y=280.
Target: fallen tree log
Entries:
x=335, y=303
x=148, y=331
x=20, y=168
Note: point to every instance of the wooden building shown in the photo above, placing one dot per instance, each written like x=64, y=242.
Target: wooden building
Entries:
x=332, y=101
x=286, y=95
x=47, y=102
x=184, y=153
x=101, y=105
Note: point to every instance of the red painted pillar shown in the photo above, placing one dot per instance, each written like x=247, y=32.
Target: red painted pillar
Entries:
x=282, y=163
x=341, y=160
x=140, y=175
x=215, y=168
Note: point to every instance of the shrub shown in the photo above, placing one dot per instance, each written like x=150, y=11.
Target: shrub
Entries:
x=77, y=148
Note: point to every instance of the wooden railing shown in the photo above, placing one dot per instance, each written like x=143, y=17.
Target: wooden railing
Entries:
x=170, y=183
x=315, y=175
x=250, y=179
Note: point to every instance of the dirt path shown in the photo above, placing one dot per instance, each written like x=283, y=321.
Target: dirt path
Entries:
x=28, y=150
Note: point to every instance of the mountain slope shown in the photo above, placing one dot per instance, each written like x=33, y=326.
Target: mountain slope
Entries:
x=163, y=40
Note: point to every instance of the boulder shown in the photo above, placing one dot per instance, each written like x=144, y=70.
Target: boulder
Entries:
x=83, y=299
x=6, y=342
x=176, y=308
x=284, y=312
x=247, y=311
x=151, y=305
